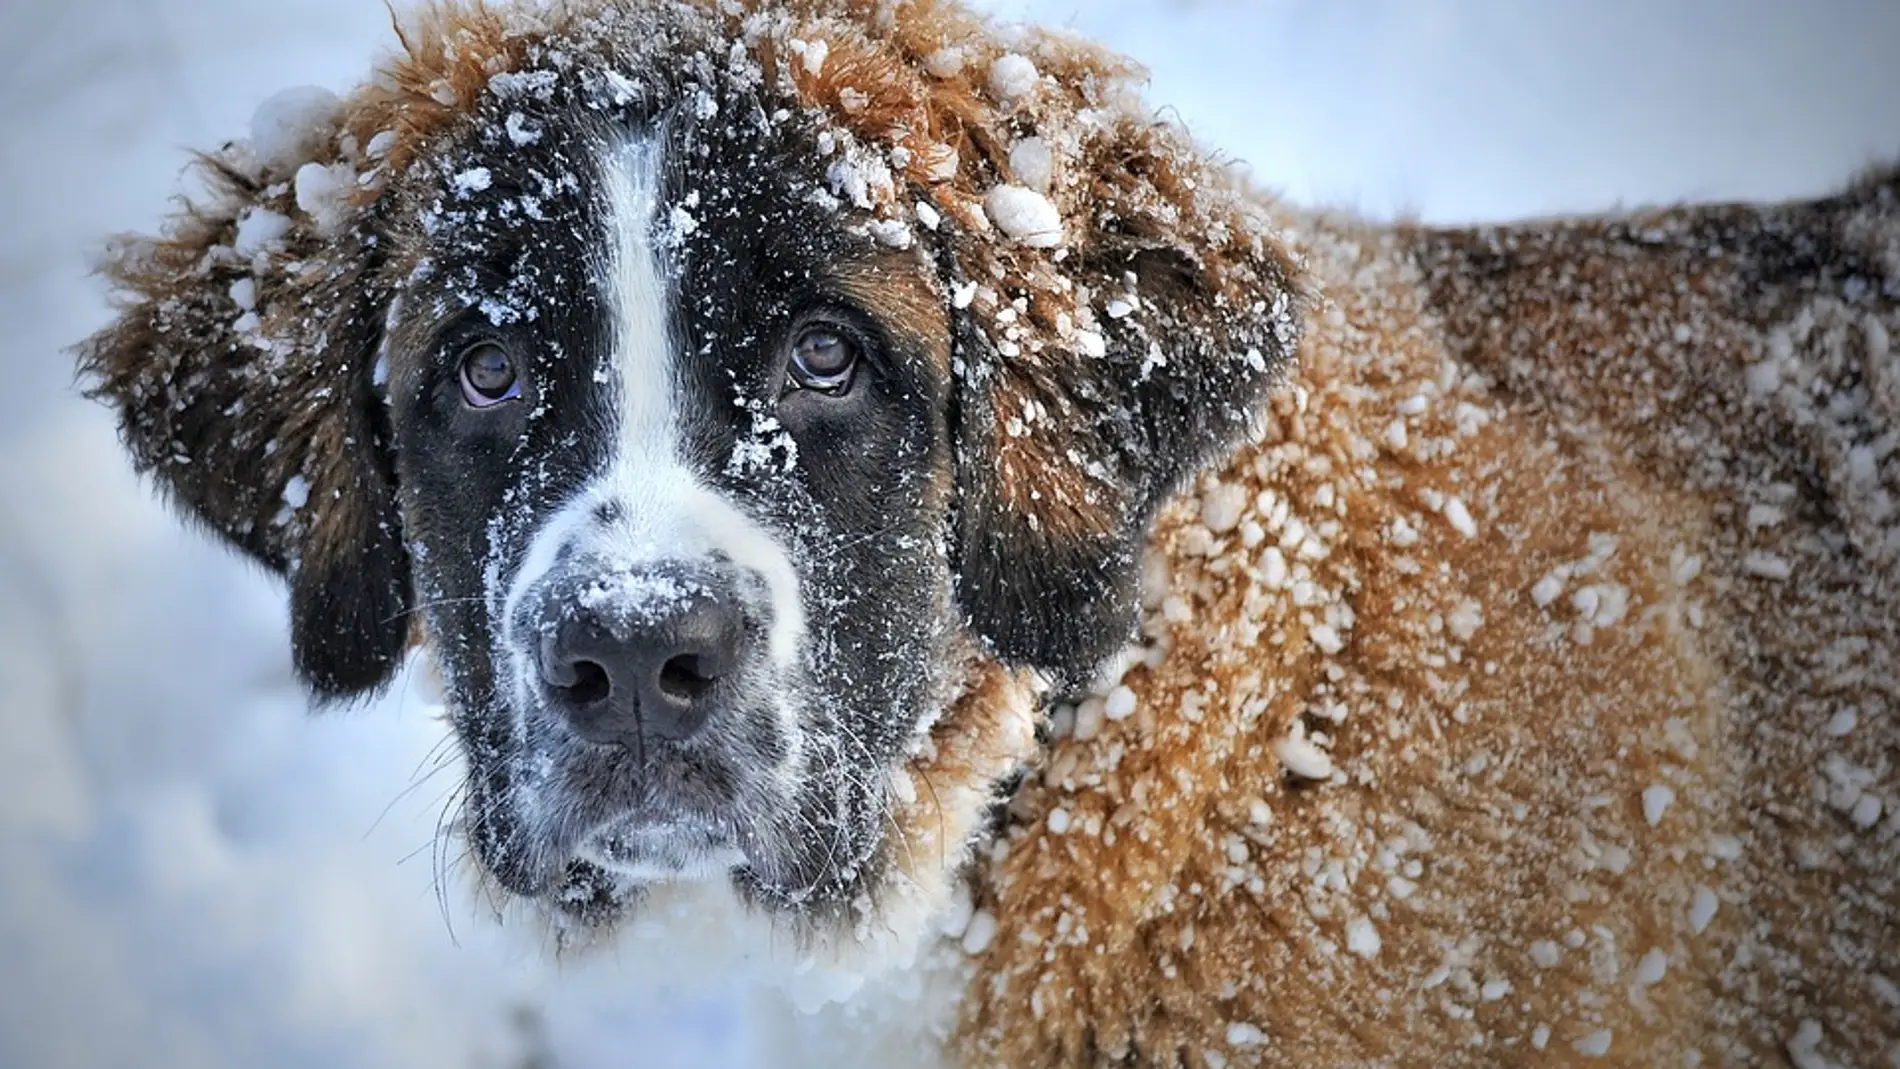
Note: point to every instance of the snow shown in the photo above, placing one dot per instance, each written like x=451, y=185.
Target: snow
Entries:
x=292, y=127
x=1464, y=620
x=1222, y=507
x=1594, y=1045
x=1656, y=801
x=812, y=54
x=198, y=873
x=1549, y=588
x=1804, y=1047
x=1865, y=812
x=1767, y=566
x=891, y=233
x=259, y=230
x=1034, y=163
x=1362, y=938
x=1460, y=519
x=520, y=130
x=1651, y=968
x=1326, y=637
x=323, y=193
x=473, y=180
x=945, y=63
x=1088, y=718
x=1305, y=760
x=1242, y=1034
x=1843, y=722
x=297, y=492
x=1025, y=215
x=980, y=933
x=1702, y=907
x=1012, y=76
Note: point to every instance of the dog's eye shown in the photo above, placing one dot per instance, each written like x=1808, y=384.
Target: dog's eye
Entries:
x=488, y=375
x=823, y=359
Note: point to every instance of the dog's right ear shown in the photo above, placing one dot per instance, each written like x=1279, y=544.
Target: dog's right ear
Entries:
x=242, y=367
x=244, y=361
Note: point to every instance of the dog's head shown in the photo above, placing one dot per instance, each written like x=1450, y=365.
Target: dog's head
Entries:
x=729, y=398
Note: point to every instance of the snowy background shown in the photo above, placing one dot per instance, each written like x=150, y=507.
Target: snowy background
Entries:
x=193, y=873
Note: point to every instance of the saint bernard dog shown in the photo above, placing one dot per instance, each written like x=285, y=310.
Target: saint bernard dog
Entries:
x=865, y=478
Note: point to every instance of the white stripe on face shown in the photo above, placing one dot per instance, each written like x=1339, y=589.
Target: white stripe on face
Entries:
x=641, y=289
x=663, y=511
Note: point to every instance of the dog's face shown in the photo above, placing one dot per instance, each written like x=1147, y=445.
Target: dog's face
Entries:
x=673, y=447
x=715, y=432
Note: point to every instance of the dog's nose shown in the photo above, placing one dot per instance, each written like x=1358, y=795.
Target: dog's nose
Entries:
x=639, y=657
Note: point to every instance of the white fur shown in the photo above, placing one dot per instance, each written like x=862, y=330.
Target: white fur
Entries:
x=888, y=992
x=665, y=512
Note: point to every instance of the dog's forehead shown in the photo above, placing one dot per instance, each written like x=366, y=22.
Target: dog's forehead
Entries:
x=753, y=215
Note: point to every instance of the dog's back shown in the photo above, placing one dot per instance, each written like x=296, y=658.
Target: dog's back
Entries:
x=1565, y=584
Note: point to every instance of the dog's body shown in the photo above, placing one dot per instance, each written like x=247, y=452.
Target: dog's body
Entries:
x=1560, y=541
x=757, y=403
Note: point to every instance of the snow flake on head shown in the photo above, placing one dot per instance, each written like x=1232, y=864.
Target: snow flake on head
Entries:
x=767, y=447
x=1024, y=215
x=1013, y=77
x=471, y=181
x=525, y=85
x=323, y=193
x=292, y=128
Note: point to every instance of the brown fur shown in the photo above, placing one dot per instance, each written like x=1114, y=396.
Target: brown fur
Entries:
x=905, y=302
x=1581, y=380
x=989, y=733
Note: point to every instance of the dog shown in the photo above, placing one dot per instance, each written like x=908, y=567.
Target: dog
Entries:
x=855, y=464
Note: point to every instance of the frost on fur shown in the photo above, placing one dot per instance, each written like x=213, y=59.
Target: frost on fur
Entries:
x=299, y=211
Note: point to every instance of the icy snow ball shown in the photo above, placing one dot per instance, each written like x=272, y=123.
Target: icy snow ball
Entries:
x=1025, y=215
x=293, y=128
x=1012, y=76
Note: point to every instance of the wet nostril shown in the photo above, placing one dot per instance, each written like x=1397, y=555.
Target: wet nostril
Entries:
x=590, y=684
x=646, y=658
x=686, y=677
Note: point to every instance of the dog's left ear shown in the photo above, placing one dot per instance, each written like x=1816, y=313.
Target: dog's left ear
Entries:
x=242, y=369
x=1101, y=367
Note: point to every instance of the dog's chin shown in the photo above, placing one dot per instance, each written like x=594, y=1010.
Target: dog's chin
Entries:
x=590, y=892
x=643, y=851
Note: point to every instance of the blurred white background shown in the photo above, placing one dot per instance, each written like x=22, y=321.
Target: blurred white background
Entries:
x=193, y=873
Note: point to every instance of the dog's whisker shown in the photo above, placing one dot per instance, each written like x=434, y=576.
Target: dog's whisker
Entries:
x=434, y=603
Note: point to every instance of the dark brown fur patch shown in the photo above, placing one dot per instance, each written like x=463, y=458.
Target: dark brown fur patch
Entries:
x=263, y=425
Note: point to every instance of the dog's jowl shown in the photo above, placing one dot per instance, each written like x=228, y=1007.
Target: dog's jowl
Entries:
x=859, y=466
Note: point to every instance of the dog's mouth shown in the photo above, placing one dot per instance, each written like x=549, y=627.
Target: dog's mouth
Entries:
x=647, y=849
x=588, y=880
x=586, y=847
x=559, y=810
